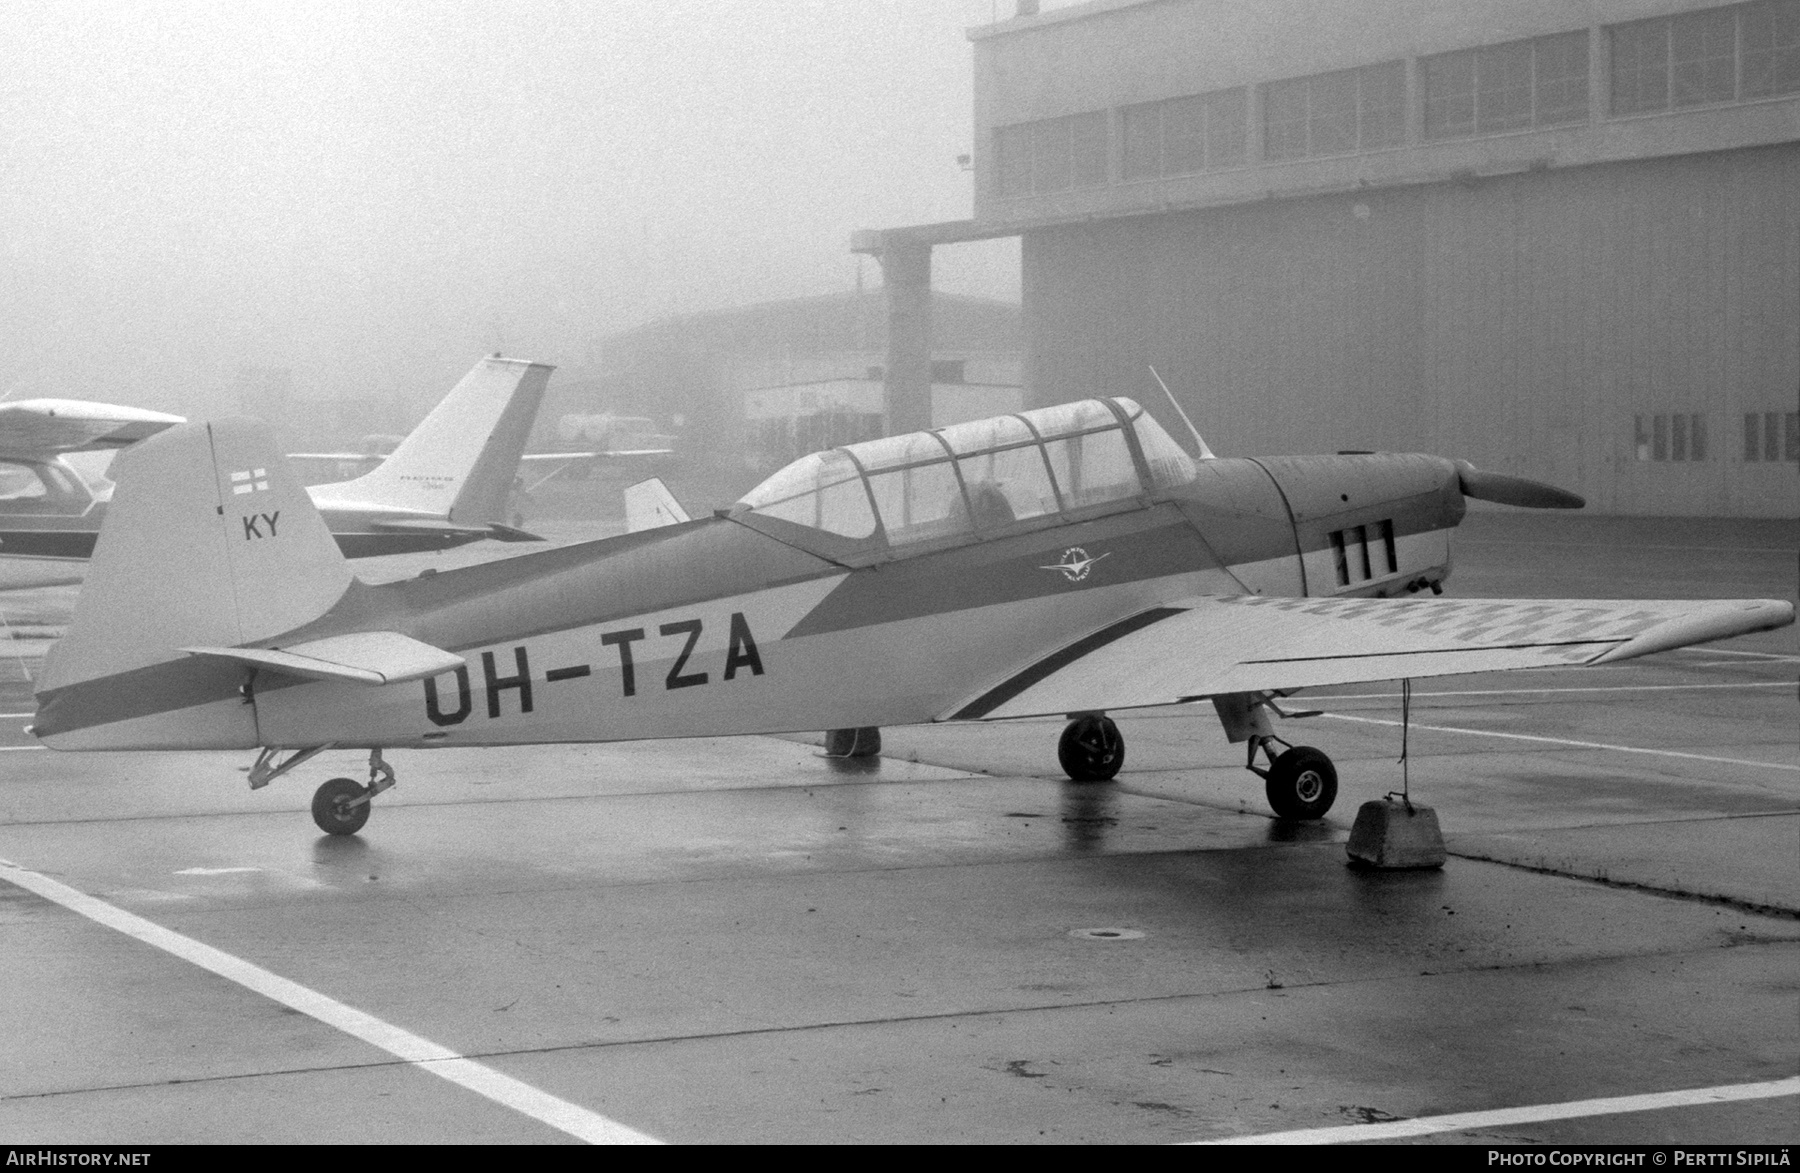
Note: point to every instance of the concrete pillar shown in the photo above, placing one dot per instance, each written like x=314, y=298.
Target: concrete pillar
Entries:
x=906, y=275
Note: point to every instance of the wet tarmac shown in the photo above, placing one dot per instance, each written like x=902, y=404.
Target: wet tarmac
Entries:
x=741, y=940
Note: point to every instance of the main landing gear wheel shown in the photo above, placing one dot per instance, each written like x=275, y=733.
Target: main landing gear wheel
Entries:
x=1301, y=783
x=1091, y=749
x=335, y=809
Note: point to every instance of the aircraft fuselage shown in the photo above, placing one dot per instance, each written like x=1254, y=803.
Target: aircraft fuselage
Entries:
x=730, y=625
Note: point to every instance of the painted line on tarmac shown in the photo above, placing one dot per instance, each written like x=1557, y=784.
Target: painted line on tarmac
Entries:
x=1393, y=696
x=1661, y=753
x=409, y=1048
x=15, y=748
x=1506, y=1117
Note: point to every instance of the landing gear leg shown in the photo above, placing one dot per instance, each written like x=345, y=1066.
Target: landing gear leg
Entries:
x=341, y=806
x=1300, y=781
x=1091, y=748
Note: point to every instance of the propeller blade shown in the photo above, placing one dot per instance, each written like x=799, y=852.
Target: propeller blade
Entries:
x=1508, y=490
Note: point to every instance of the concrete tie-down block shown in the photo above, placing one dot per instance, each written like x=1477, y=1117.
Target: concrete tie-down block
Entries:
x=1393, y=834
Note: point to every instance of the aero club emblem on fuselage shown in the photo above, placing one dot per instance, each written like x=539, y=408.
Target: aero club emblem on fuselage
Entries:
x=1075, y=563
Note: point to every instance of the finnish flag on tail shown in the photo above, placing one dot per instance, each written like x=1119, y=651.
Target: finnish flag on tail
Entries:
x=250, y=481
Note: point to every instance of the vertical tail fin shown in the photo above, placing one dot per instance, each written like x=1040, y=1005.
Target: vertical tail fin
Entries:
x=462, y=459
x=210, y=539
x=650, y=505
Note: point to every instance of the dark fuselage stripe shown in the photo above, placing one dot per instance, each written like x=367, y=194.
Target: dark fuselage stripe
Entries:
x=77, y=543
x=70, y=544
x=1049, y=665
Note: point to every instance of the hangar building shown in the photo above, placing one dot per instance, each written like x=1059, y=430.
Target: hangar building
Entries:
x=1559, y=238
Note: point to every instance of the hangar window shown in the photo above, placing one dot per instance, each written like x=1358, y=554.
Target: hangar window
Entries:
x=1515, y=86
x=1771, y=436
x=1055, y=154
x=1736, y=53
x=1184, y=135
x=1676, y=436
x=1769, y=36
x=1335, y=113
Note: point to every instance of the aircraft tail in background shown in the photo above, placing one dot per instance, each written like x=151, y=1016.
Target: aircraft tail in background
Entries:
x=460, y=463
x=650, y=505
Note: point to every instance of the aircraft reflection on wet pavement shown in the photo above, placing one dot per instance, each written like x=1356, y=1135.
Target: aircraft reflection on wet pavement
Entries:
x=1072, y=560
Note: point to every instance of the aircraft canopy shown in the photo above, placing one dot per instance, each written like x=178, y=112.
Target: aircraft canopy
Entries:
x=976, y=478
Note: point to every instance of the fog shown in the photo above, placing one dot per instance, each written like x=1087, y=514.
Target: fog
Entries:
x=374, y=195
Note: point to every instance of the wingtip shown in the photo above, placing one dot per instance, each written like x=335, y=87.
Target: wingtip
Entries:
x=1727, y=619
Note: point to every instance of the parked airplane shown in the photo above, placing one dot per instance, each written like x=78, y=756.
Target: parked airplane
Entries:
x=446, y=484
x=1067, y=561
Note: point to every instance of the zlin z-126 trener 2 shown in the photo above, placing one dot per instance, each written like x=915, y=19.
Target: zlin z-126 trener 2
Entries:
x=1068, y=561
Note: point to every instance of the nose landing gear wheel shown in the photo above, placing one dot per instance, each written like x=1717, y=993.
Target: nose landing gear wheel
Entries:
x=332, y=806
x=1091, y=749
x=1301, y=783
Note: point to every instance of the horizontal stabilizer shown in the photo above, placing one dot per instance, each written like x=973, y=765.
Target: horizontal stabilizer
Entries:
x=365, y=657
x=424, y=525
x=507, y=533
x=650, y=505
x=432, y=525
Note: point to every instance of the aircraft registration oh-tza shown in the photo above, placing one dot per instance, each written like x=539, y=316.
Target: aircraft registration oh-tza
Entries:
x=1067, y=561
x=445, y=485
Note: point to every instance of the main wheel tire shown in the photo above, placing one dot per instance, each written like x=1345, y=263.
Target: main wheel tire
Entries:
x=1302, y=784
x=1091, y=749
x=860, y=742
x=332, y=810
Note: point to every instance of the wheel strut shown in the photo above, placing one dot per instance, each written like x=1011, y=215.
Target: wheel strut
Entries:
x=1263, y=741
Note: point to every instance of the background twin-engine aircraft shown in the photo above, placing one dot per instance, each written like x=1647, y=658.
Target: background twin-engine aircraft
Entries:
x=1065, y=561
x=445, y=484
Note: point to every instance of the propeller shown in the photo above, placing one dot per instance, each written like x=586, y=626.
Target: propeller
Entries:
x=1509, y=490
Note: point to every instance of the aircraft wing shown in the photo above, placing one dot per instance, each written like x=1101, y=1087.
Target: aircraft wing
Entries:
x=1212, y=645
x=44, y=427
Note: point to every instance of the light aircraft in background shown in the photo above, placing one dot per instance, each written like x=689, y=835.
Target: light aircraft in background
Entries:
x=1069, y=561
x=535, y=468
x=446, y=484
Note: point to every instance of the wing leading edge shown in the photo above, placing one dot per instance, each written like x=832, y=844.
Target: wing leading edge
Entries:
x=1213, y=645
x=38, y=428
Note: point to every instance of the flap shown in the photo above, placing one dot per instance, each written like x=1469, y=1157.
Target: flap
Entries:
x=1214, y=645
x=365, y=657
